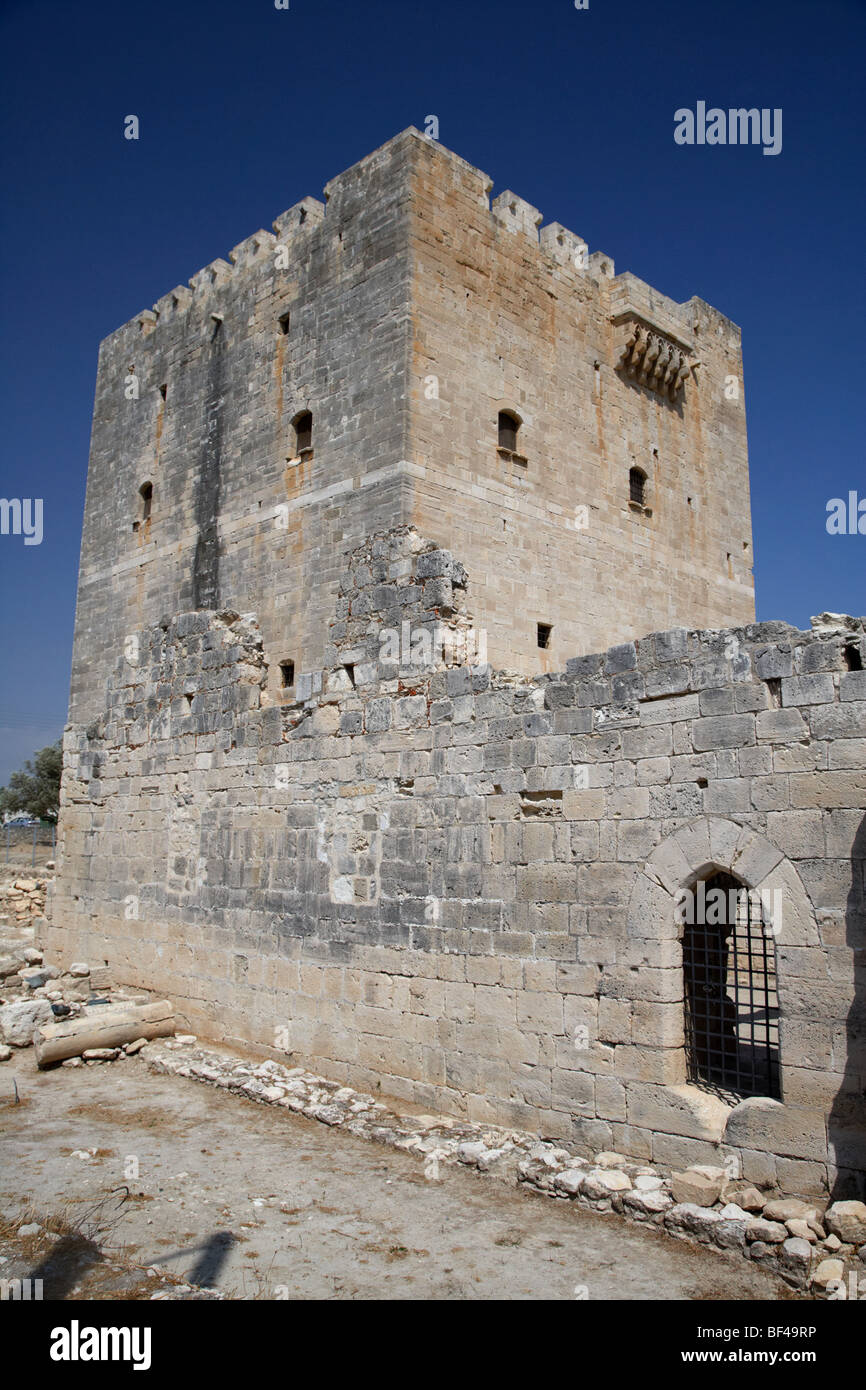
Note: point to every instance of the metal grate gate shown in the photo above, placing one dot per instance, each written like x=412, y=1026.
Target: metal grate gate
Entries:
x=731, y=1000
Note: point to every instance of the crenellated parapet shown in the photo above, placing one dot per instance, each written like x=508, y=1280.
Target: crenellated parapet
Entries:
x=266, y=249
x=516, y=214
x=252, y=248
x=564, y=246
x=300, y=218
x=175, y=302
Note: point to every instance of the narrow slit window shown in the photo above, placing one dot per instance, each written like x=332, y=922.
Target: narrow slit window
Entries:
x=637, y=487
x=287, y=674
x=145, y=492
x=508, y=427
x=304, y=432
x=284, y=321
x=544, y=632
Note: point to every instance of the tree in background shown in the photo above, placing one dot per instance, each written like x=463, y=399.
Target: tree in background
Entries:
x=36, y=788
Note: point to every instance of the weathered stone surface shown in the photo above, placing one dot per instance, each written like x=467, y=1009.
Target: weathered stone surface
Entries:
x=570, y=1181
x=762, y=1252
x=847, y=1220
x=34, y=977
x=690, y=1219
x=730, y=1232
x=696, y=1187
x=768, y=1232
x=471, y=1152
x=533, y=1171
x=764, y=1124
x=828, y=1272
x=795, y=1259
x=749, y=1198
x=789, y=1209
x=19, y=1021
x=802, y=1230
x=599, y=1183
x=647, y=1203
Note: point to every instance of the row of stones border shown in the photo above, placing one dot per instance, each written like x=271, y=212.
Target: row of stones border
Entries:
x=511, y=1156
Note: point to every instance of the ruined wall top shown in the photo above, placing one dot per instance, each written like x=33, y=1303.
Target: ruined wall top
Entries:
x=403, y=626
x=403, y=612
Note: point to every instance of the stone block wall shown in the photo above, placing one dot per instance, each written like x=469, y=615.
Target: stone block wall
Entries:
x=510, y=318
x=404, y=313
x=197, y=398
x=458, y=886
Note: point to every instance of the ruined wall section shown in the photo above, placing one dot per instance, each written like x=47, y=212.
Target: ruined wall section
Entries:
x=510, y=317
x=197, y=398
x=431, y=878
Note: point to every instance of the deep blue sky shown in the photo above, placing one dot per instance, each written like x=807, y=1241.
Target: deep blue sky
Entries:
x=244, y=109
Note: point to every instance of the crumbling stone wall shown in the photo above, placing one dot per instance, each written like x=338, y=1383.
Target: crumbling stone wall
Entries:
x=22, y=898
x=459, y=886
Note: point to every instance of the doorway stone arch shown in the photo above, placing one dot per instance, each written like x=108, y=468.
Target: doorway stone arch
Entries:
x=780, y=1142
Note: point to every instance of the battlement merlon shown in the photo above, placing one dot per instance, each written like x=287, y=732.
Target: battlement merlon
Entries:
x=344, y=193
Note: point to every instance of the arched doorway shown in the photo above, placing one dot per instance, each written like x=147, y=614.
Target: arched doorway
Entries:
x=730, y=991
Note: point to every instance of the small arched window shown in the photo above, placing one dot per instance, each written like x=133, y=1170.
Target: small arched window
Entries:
x=509, y=428
x=637, y=487
x=145, y=492
x=303, y=424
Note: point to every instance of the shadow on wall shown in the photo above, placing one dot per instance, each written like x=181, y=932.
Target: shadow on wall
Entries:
x=847, y=1122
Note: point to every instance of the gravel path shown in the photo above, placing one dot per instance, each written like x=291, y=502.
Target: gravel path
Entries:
x=260, y=1203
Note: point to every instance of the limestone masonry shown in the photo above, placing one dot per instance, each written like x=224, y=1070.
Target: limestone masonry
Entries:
x=404, y=317
x=353, y=772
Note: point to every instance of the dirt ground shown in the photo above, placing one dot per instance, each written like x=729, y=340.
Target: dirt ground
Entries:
x=260, y=1203
x=21, y=859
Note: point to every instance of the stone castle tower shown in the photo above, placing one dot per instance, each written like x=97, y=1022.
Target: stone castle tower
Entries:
x=409, y=353
x=459, y=880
